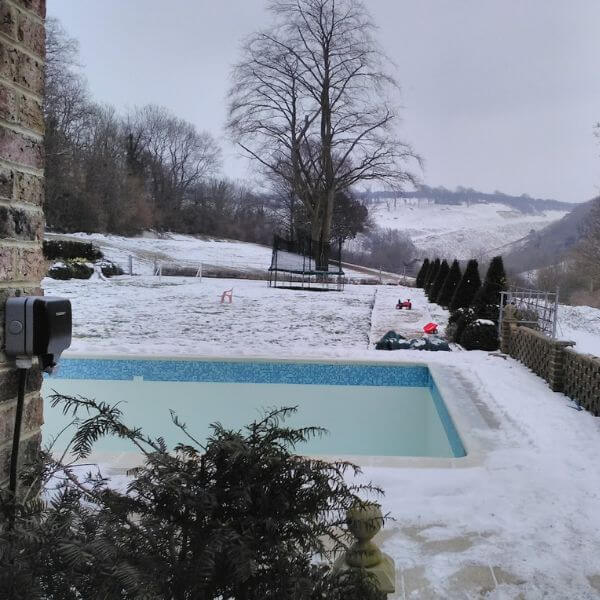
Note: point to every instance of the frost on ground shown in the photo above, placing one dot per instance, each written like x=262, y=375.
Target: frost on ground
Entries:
x=178, y=315
x=522, y=523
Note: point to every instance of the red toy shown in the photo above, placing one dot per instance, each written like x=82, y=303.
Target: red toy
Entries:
x=430, y=328
x=401, y=305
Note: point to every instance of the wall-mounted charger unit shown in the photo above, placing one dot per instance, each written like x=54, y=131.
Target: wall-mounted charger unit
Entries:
x=38, y=326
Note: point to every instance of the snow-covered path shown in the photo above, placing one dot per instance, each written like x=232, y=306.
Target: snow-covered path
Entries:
x=521, y=524
x=409, y=323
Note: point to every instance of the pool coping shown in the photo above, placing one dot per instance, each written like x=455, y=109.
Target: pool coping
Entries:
x=468, y=422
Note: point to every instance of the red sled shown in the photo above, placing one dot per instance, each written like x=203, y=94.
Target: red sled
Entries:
x=407, y=305
x=430, y=328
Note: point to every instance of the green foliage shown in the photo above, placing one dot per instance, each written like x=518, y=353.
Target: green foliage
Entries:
x=458, y=321
x=449, y=286
x=109, y=269
x=422, y=273
x=480, y=336
x=71, y=269
x=240, y=516
x=70, y=249
x=431, y=275
x=494, y=283
x=436, y=286
x=467, y=288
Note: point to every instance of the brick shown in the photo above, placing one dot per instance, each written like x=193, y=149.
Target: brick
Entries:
x=21, y=149
x=8, y=20
x=9, y=62
x=29, y=189
x=7, y=183
x=20, y=109
x=30, y=34
x=30, y=113
x=19, y=224
x=21, y=264
x=31, y=264
x=8, y=256
x=9, y=380
x=29, y=451
x=33, y=417
x=9, y=103
x=37, y=7
x=20, y=68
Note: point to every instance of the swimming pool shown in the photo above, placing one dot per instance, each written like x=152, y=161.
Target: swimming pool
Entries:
x=383, y=410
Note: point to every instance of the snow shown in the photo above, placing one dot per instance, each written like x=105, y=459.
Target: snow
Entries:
x=183, y=249
x=484, y=322
x=580, y=324
x=185, y=316
x=528, y=510
x=460, y=231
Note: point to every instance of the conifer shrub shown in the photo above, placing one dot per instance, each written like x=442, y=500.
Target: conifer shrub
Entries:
x=494, y=283
x=449, y=286
x=432, y=274
x=481, y=334
x=71, y=269
x=467, y=288
x=458, y=321
x=422, y=274
x=436, y=286
x=239, y=515
x=110, y=269
x=69, y=249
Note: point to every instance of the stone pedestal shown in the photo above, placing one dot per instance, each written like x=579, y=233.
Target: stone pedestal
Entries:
x=364, y=521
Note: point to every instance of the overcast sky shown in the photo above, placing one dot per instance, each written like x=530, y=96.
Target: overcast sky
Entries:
x=497, y=94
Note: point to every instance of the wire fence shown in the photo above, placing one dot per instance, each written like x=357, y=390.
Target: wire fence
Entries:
x=537, y=309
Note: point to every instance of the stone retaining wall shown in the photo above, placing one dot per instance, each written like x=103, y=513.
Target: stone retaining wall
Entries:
x=576, y=375
x=582, y=380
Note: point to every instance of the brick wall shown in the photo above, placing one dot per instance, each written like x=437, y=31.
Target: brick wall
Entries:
x=576, y=375
x=22, y=43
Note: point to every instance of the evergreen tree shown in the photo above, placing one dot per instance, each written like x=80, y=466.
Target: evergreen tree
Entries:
x=436, y=286
x=495, y=282
x=449, y=286
x=428, y=274
x=422, y=273
x=467, y=288
x=433, y=271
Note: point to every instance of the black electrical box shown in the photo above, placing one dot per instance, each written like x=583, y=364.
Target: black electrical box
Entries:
x=38, y=326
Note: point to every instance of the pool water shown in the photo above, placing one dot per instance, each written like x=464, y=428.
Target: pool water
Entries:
x=371, y=410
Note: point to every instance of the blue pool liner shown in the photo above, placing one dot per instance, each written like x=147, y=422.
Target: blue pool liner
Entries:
x=263, y=372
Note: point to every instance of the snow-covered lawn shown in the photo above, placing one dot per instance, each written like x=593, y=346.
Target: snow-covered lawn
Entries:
x=145, y=251
x=523, y=523
x=185, y=316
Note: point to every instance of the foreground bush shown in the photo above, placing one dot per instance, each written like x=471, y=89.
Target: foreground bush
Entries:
x=71, y=269
x=480, y=335
x=68, y=249
x=239, y=517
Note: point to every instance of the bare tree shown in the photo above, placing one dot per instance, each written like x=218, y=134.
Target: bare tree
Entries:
x=176, y=155
x=313, y=103
x=587, y=252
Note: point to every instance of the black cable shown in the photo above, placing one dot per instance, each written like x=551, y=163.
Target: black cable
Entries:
x=14, y=458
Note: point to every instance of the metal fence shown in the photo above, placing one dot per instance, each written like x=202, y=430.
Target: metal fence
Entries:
x=536, y=308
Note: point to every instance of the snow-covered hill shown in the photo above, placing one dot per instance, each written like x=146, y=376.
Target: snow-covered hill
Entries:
x=459, y=231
